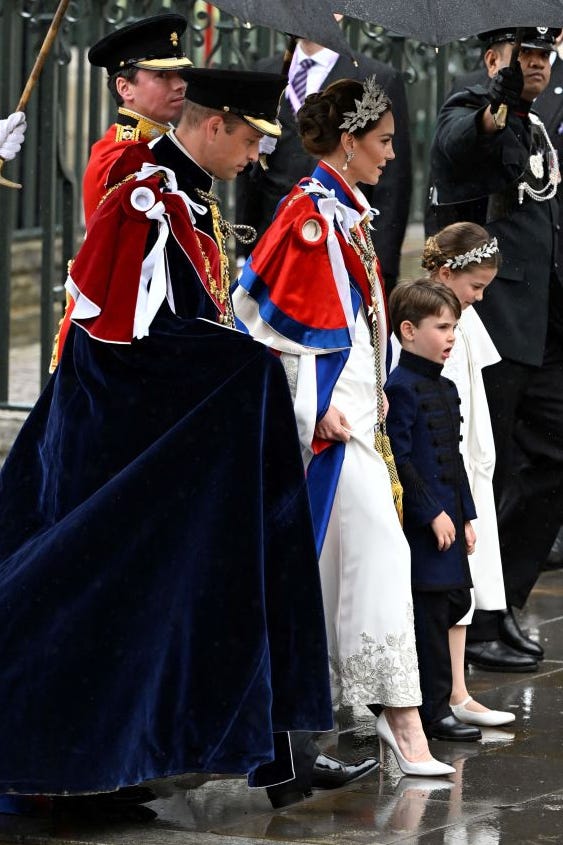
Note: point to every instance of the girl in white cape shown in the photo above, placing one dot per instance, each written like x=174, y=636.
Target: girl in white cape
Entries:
x=465, y=258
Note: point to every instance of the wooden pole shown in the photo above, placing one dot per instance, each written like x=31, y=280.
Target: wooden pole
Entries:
x=36, y=71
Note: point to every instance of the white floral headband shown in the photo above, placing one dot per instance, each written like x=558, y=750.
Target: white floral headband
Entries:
x=372, y=105
x=474, y=256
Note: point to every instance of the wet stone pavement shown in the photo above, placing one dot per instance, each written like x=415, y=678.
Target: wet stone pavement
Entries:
x=507, y=790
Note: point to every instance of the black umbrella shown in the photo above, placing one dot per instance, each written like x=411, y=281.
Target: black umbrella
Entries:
x=441, y=21
x=311, y=19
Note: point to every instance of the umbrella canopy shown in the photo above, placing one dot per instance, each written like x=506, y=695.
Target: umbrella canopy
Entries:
x=313, y=20
x=440, y=21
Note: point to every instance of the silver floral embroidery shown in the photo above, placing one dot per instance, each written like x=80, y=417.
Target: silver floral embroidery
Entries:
x=382, y=672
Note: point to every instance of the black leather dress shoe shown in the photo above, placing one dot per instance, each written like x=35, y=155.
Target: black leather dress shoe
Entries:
x=285, y=794
x=452, y=729
x=512, y=635
x=330, y=773
x=496, y=656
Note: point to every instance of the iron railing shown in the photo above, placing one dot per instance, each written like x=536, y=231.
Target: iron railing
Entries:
x=70, y=108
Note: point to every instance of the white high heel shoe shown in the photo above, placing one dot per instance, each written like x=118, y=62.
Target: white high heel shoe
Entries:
x=486, y=719
x=426, y=768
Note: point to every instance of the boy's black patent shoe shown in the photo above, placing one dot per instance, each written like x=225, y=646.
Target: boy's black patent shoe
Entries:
x=450, y=728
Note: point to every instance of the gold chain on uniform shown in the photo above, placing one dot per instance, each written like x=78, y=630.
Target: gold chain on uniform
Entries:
x=222, y=230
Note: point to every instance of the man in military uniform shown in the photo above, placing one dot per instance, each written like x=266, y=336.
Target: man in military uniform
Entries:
x=501, y=170
x=143, y=61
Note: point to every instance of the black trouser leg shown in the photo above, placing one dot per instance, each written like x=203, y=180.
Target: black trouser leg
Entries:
x=532, y=507
x=484, y=626
x=434, y=615
x=526, y=405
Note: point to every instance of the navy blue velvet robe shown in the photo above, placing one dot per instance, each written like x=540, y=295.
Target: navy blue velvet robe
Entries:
x=159, y=588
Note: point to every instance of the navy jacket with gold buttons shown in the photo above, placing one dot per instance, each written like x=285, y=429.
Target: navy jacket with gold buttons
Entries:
x=424, y=426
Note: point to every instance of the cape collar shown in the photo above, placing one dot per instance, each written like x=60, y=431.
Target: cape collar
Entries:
x=331, y=179
x=421, y=366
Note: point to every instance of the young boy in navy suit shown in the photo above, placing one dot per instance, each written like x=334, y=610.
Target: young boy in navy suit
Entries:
x=424, y=426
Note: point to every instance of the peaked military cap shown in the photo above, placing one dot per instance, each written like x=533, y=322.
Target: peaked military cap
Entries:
x=534, y=37
x=251, y=95
x=152, y=43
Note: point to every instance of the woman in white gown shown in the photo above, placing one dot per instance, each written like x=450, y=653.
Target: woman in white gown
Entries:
x=311, y=290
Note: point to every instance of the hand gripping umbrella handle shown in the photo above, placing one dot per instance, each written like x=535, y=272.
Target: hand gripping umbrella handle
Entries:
x=36, y=70
x=502, y=111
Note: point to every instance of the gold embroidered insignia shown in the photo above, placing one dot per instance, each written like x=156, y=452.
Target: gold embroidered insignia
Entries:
x=127, y=133
x=174, y=39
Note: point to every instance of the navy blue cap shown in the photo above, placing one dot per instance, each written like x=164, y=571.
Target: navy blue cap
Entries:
x=251, y=95
x=152, y=43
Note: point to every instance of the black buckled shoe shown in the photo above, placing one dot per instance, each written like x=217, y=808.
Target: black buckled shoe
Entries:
x=512, y=635
x=450, y=728
x=330, y=773
x=496, y=656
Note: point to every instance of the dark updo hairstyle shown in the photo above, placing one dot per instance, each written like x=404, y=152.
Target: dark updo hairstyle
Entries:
x=458, y=239
x=321, y=115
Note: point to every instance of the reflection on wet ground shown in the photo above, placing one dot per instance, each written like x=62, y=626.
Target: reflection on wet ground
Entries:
x=507, y=790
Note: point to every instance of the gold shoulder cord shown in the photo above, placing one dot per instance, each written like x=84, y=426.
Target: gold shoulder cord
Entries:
x=363, y=246
x=222, y=230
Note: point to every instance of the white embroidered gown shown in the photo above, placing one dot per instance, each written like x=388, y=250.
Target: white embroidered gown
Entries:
x=365, y=560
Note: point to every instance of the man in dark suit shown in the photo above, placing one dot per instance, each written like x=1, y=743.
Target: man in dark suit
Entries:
x=505, y=176
x=259, y=190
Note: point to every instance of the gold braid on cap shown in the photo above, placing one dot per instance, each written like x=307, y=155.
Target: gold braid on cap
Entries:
x=372, y=105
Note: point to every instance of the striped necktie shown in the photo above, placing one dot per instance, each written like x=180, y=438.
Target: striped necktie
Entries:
x=299, y=81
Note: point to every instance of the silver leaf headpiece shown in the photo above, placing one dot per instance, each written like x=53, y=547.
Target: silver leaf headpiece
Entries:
x=372, y=105
x=474, y=256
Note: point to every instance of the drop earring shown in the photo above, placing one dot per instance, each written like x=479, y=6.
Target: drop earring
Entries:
x=349, y=157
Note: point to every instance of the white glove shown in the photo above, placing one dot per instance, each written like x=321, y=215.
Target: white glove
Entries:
x=12, y=131
x=267, y=145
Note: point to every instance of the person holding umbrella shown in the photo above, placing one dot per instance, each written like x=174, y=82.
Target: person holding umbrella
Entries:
x=498, y=167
